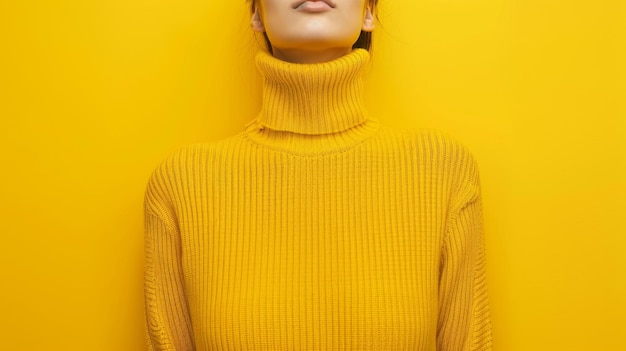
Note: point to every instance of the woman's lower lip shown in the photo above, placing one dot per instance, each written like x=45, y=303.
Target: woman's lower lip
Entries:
x=314, y=6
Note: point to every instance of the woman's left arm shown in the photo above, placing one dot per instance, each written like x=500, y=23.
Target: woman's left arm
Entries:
x=464, y=322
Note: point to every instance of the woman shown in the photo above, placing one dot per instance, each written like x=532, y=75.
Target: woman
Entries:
x=316, y=227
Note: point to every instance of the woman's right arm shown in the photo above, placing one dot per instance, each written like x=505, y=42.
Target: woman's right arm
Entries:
x=167, y=321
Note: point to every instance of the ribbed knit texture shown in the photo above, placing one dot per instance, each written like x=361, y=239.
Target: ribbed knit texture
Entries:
x=317, y=228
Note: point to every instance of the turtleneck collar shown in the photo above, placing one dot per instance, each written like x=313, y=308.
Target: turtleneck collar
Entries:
x=318, y=98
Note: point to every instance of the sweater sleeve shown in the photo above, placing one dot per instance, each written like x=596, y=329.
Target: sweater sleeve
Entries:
x=167, y=322
x=464, y=316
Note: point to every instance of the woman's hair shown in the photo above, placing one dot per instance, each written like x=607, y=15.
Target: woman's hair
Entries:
x=364, y=41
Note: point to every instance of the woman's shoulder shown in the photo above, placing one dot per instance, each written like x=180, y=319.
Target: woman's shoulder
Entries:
x=190, y=158
x=431, y=143
x=443, y=156
x=185, y=165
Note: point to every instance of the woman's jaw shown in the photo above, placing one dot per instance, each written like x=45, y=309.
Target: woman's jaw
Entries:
x=312, y=31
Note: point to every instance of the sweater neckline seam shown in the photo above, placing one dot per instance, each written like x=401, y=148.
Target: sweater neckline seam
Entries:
x=376, y=131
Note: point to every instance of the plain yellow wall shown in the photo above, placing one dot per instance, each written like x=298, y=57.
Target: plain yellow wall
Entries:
x=95, y=93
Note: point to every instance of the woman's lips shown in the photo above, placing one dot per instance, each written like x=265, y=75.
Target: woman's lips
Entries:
x=313, y=6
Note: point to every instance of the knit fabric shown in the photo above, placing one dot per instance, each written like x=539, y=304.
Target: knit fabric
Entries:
x=317, y=228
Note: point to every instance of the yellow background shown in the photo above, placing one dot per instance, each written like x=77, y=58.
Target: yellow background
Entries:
x=95, y=93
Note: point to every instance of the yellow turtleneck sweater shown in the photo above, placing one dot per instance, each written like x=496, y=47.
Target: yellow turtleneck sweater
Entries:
x=317, y=228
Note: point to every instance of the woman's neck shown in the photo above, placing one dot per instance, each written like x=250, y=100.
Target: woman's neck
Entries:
x=310, y=56
x=314, y=98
